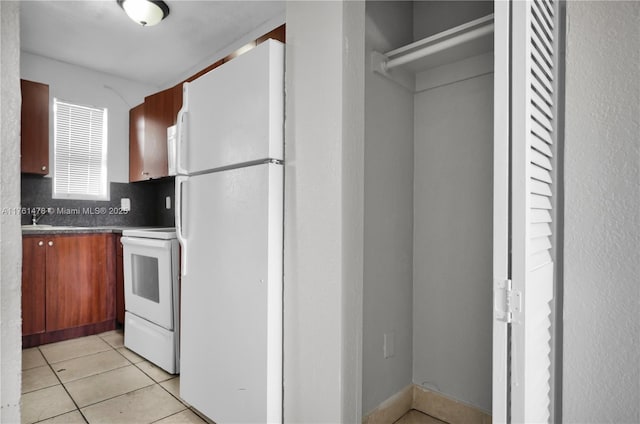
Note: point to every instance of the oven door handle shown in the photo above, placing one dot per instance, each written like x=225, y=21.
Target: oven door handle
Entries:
x=144, y=242
x=180, y=229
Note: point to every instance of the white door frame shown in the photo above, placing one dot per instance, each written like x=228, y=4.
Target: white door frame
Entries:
x=501, y=218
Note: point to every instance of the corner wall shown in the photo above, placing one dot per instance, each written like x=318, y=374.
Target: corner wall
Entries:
x=388, y=212
x=10, y=237
x=601, y=376
x=323, y=206
x=453, y=234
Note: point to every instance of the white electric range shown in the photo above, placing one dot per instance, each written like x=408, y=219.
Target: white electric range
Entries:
x=152, y=295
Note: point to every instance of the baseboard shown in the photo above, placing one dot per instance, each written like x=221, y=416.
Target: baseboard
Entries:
x=393, y=408
x=68, y=333
x=446, y=409
x=429, y=402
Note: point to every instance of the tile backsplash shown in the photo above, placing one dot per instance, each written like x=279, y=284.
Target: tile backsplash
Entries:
x=148, y=200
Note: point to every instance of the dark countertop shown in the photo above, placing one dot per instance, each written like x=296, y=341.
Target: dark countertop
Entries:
x=36, y=230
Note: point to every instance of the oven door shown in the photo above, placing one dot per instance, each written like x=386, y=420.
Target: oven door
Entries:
x=148, y=279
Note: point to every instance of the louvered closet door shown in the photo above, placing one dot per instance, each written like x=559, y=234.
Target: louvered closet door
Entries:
x=531, y=271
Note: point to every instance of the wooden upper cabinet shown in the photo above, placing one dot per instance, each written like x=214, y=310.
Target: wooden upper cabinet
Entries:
x=148, y=125
x=33, y=285
x=276, y=34
x=279, y=34
x=136, y=143
x=157, y=117
x=34, y=144
x=177, y=102
x=148, y=122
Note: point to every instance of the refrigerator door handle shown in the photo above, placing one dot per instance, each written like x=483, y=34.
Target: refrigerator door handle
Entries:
x=182, y=130
x=180, y=229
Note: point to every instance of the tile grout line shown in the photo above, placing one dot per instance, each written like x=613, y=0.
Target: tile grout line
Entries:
x=41, y=388
x=201, y=416
x=76, y=357
x=174, y=396
x=104, y=372
x=74, y=401
x=159, y=383
x=65, y=389
x=50, y=365
x=170, y=415
x=149, y=375
x=93, y=375
x=39, y=347
x=130, y=363
x=153, y=381
x=118, y=395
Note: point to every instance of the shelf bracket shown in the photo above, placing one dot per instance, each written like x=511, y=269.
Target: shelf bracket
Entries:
x=399, y=76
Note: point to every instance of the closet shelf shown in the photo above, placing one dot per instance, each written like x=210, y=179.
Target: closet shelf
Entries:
x=466, y=40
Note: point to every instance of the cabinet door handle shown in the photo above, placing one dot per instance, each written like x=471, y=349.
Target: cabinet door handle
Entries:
x=44, y=167
x=40, y=243
x=50, y=243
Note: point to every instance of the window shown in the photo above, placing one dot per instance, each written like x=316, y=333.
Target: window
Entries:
x=80, y=152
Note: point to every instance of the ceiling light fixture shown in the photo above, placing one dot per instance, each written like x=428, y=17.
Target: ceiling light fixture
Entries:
x=145, y=12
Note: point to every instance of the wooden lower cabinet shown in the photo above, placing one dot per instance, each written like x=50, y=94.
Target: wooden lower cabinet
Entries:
x=78, y=297
x=78, y=281
x=33, y=285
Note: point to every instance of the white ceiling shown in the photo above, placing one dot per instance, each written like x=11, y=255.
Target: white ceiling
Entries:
x=97, y=34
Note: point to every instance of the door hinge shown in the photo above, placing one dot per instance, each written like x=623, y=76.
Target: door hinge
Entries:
x=506, y=301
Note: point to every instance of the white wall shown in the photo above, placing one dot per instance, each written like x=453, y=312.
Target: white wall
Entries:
x=431, y=17
x=85, y=86
x=323, y=245
x=353, y=134
x=452, y=263
x=601, y=376
x=271, y=24
x=428, y=215
x=388, y=212
x=10, y=252
x=453, y=215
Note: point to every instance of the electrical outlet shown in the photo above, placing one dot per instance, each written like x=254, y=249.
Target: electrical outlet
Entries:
x=389, y=345
x=125, y=204
x=167, y=202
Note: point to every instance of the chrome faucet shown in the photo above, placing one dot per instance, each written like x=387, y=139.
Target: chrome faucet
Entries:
x=37, y=216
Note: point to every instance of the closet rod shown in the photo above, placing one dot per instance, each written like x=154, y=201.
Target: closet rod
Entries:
x=440, y=46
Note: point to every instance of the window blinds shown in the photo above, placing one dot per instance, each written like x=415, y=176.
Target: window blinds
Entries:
x=80, y=152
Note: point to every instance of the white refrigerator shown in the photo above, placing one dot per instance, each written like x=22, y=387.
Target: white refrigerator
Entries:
x=229, y=221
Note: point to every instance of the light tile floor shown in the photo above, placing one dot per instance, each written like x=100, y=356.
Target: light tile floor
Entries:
x=95, y=379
